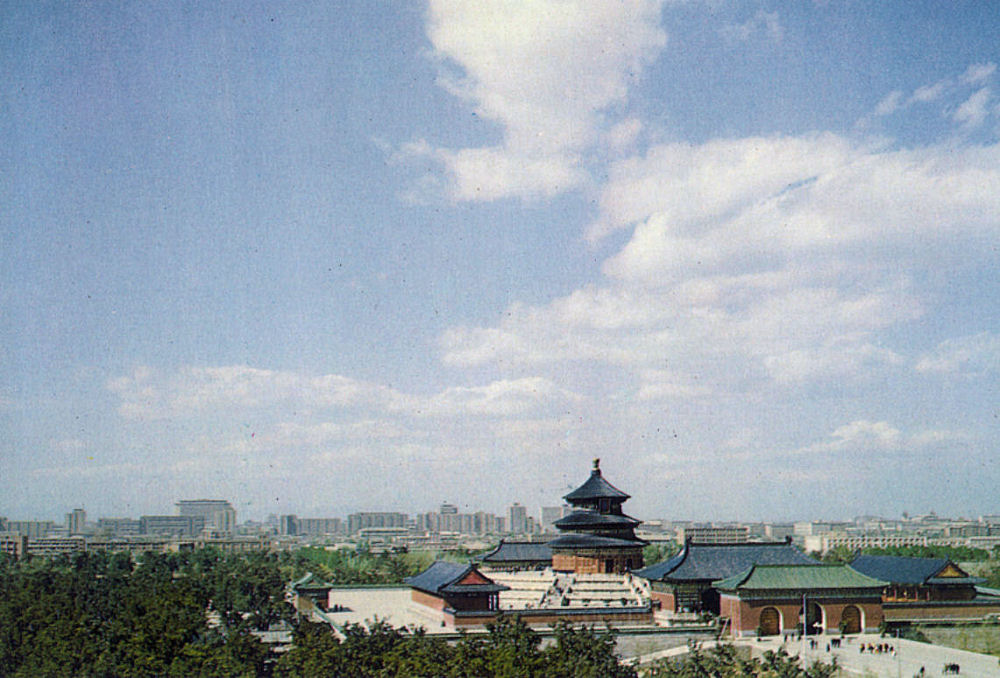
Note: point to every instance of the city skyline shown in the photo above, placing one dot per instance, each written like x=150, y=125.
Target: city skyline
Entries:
x=315, y=260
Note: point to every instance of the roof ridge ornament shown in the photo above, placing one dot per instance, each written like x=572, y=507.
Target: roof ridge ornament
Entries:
x=597, y=465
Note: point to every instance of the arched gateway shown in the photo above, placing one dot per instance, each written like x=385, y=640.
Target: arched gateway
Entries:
x=850, y=619
x=770, y=622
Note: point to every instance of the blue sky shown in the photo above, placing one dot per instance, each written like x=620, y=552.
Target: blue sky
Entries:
x=316, y=259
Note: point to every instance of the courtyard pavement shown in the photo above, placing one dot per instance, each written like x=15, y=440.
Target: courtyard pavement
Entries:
x=909, y=658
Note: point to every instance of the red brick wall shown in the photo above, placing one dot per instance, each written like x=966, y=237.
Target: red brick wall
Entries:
x=917, y=612
x=665, y=599
x=596, y=562
x=745, y=617
x=546, y=617
x=426, y=599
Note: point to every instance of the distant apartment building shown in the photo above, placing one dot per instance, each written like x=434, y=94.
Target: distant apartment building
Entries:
x=119, y=527
x=779, y=531
x=359, y=521
x=810, y=528
x=288, y=525
x=448, y=520
x=726, y=534
x=14, y=545
x=517, y=519
x=550, y=514
x=856, y=542
x=219, y=514
x=172, y=526
x=76, y=521
x=292, y=525
x=54, y=546
x=32, y=529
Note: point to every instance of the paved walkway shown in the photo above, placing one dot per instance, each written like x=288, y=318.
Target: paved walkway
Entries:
x=910, y=657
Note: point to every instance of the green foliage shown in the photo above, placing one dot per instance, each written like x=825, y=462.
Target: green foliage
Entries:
x=508, y=649
x=958, y=554
x=838, y=555
x=344, y=567
x=100, y=613
x=660, y=551
x=723, y=661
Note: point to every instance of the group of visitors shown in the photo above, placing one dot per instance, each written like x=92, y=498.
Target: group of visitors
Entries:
x=879, y=648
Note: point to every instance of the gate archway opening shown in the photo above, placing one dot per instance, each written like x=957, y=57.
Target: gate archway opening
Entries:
x=815, y=619
x=850, y=620
x=770, y=622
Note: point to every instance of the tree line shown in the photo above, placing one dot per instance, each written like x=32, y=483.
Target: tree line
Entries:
x=195, y=614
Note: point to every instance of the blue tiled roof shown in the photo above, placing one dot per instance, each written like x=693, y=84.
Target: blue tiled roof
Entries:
x=585, y=541
x=586, y=518
x=908, y=570
x=519, y=551
x=711, y=562
x=596, y=487
x=441, y=577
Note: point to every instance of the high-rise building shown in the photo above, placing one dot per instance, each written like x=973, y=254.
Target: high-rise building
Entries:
x=219, y=514
x=288, y=525
x=550, y=514
x=518, y=519
x=76, y=522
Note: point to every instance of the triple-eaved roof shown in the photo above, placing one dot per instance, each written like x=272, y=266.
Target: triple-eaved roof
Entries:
x=711, y=562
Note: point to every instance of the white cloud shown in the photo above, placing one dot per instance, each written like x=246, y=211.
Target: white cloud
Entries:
x=971, y=355
x=544, y=72
x=193, y=390
x=660, y=384
x=890, y=103
x=927, y=93
x=973, y=111
x=500, y=398
x=878, y=437
x=784, y=258
x=978, y=73
x=765, y=24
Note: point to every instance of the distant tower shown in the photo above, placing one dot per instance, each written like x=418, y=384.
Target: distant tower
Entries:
x=597, y=537
x=76, y=522
x=518, y=519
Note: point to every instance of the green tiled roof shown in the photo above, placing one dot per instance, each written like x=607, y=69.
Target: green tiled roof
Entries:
x=310, y=582
x=798, y=577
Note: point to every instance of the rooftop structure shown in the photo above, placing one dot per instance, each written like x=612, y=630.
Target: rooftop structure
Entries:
x=928, y=589
x=685, y=581
x=769, y=599
x=597, y=537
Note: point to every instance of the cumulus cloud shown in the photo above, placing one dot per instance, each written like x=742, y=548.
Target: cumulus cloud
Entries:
x=781, y=258
x=545, y=73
